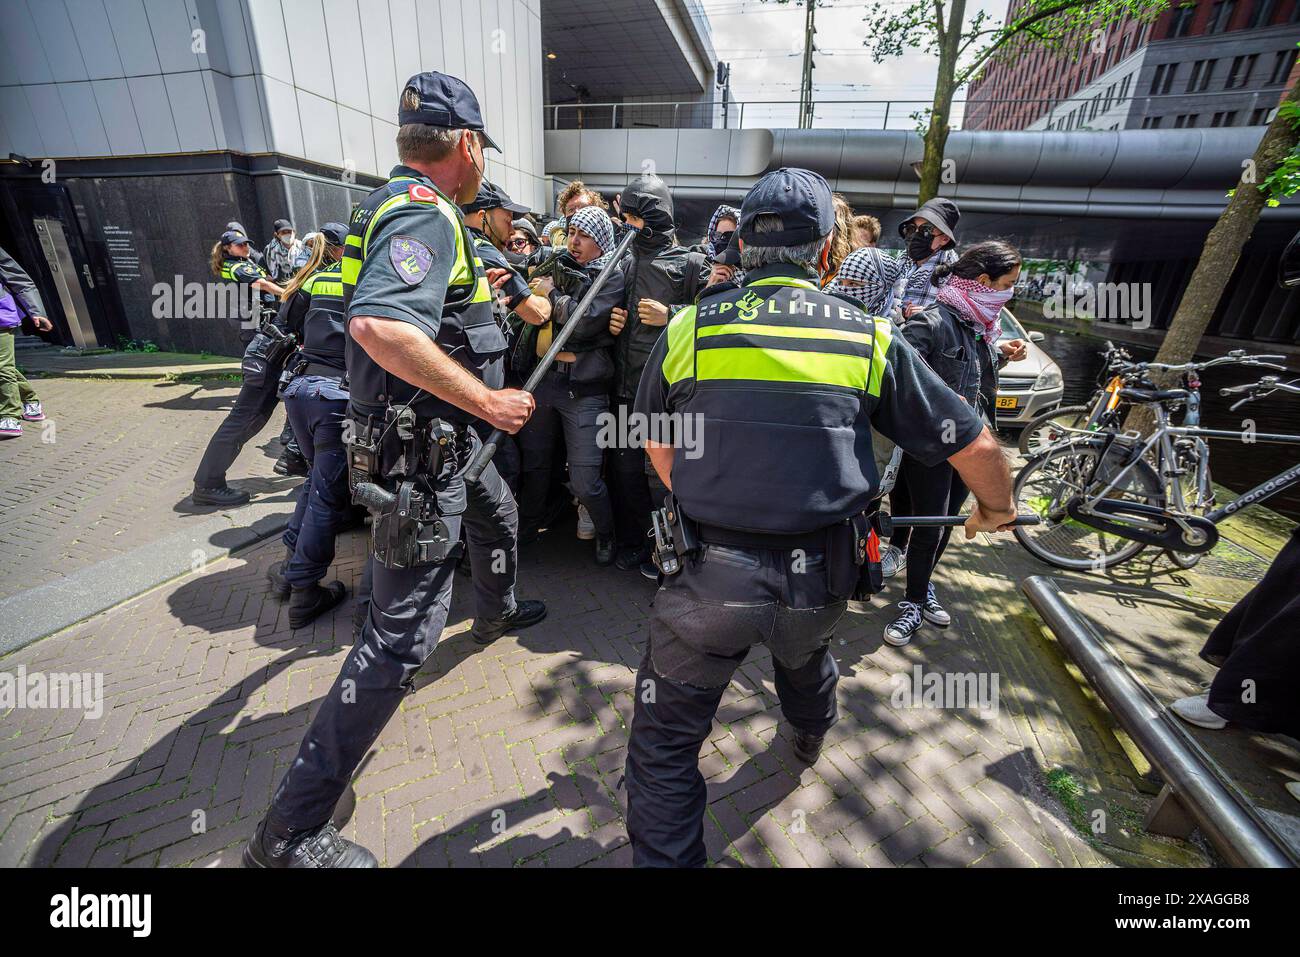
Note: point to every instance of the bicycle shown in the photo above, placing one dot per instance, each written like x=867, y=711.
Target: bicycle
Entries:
x=1104, y=497
x=1046, y=429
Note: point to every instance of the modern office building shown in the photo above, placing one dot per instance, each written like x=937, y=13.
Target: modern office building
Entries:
x=136, y=129
x=1199, y=64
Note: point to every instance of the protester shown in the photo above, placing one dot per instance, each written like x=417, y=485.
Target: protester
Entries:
x=282, y=252
x=958, y=338
x=18, y=300
x=524, y=240
x=662, y=276
x=721, y=226
x=866, y=231
x=575, y=391
x=896, y=286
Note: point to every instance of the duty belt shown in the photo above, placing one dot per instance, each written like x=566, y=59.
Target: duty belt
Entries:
x=733, y=538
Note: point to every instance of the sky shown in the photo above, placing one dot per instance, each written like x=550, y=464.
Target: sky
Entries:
x=763, y=42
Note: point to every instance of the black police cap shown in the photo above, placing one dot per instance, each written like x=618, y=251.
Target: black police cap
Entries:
x=232, y=236
x=335, y=234
x=436, y=99
x=492, y=196
x=800, y=198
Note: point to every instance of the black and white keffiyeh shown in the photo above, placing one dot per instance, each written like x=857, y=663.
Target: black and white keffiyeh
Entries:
x=595, y=223
x=711, y=242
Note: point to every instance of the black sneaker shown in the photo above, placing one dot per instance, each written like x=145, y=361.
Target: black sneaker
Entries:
x=486, y=631
x=649, y=572
x=291, y=462
x=325, y=847
x=631, y=556
x=604, y=550
x=311, y=602
x=225, y=496
x=808, y=747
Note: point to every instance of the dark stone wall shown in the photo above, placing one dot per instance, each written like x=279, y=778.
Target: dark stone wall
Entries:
x=139, y=231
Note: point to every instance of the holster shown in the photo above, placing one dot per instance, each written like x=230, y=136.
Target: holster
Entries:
x=393, y=463
x=675, y=537
x=866, y=553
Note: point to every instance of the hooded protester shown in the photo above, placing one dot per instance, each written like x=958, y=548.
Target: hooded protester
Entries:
x=899, y=285
x=717, y=237
x=661, y=277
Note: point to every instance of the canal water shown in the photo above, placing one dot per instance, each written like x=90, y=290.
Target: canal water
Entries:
x=1238, y=466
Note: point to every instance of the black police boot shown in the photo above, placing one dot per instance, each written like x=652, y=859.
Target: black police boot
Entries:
x=605, y=548
x=324, y=847
x=275, y=575
x=808, y=747
x=291, y=462
x=224, y=496
x=311, y=602
x=486, y=631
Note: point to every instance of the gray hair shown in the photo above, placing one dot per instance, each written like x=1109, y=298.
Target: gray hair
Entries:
x=424, y=143
x=755, y=257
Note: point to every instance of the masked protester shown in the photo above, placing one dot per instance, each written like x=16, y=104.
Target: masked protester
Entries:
x=899, y=285
x=721, y=227
x=958, y=338
x=661, y=277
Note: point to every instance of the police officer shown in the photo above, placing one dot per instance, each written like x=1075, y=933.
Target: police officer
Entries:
x=256, y=399
x=782, y=383
x=424, y=359
x=490, y=220
x=316, y=402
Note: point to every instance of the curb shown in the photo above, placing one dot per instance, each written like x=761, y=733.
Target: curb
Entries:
x=54, y=606
x=146, y=374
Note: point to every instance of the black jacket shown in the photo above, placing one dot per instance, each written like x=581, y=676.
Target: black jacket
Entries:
x=657, y=269
x=590, y=342
x=969, y=366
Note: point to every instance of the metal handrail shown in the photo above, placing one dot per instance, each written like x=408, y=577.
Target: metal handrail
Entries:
x=1224, y=815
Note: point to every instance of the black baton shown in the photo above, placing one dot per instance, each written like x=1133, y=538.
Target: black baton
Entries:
x=943, y=521
x=489, y=448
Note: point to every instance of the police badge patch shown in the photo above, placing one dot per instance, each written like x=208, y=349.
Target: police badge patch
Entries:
x=410, y=258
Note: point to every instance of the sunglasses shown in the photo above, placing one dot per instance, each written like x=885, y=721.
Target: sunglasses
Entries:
x=910, y=229
x=517, y=244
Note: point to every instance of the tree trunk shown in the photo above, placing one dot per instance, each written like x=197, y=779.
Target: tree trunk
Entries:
x=1220, y=254
x=936, y=135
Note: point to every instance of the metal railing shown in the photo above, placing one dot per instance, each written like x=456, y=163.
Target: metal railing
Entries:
x=891, y=114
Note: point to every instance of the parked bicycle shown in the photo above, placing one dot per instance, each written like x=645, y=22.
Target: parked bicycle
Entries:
x=1048, y=428
x=1105, y=496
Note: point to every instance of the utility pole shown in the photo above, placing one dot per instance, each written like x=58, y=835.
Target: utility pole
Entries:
x=806, y=81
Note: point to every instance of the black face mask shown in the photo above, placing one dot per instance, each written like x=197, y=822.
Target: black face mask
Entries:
x=918, y=246
x=514, y=258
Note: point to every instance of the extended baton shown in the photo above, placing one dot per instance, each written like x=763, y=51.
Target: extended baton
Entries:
x=489, y=448
x=943, y=521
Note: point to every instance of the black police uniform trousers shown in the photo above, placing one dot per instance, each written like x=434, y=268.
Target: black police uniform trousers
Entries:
x=408, y=610
x=248, y=416
x=705, y=620
x=316, y=408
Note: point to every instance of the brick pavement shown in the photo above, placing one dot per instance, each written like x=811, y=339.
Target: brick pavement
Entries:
x=513, y=754
x=110, y=470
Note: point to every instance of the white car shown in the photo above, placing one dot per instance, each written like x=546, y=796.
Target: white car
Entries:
x=1030, y=386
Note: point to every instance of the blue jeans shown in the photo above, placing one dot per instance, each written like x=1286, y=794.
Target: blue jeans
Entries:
x=317, y=415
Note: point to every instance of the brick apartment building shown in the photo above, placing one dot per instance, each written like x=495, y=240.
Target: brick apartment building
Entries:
x=1200, y=63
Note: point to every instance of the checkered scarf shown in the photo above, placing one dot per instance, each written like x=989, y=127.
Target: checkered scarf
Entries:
x=874, y=269
x=711, y=243
x=595, y=223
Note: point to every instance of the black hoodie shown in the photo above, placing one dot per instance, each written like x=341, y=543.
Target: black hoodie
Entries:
x=658, y=269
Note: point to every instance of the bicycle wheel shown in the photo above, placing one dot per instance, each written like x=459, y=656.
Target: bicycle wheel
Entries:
x=1044, y=430
x=1187, y=485
x=1046, y=485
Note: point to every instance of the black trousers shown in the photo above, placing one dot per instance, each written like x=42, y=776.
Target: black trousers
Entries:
x=925, y=490
x=1257, y=649
x=324, y=502
x=248, y=416
x=629, y=487
x=705, y=620
x=408, y=610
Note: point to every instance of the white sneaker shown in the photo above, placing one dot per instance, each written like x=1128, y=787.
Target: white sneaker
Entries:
x=892, y=561
x=10, y=428
x=33, y=412
x=934, y=612
x=586, y=527
x=900, y=631
x=1195, y=709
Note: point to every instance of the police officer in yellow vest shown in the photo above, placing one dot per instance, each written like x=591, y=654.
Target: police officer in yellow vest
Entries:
x=424, y=360
x=777, y=385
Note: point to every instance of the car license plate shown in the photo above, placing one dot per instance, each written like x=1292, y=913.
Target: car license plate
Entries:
x=1007, y=402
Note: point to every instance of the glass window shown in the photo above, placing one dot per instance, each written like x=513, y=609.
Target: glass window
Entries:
x=1262, y=15
x=1182, y=21
x=1221, y=16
